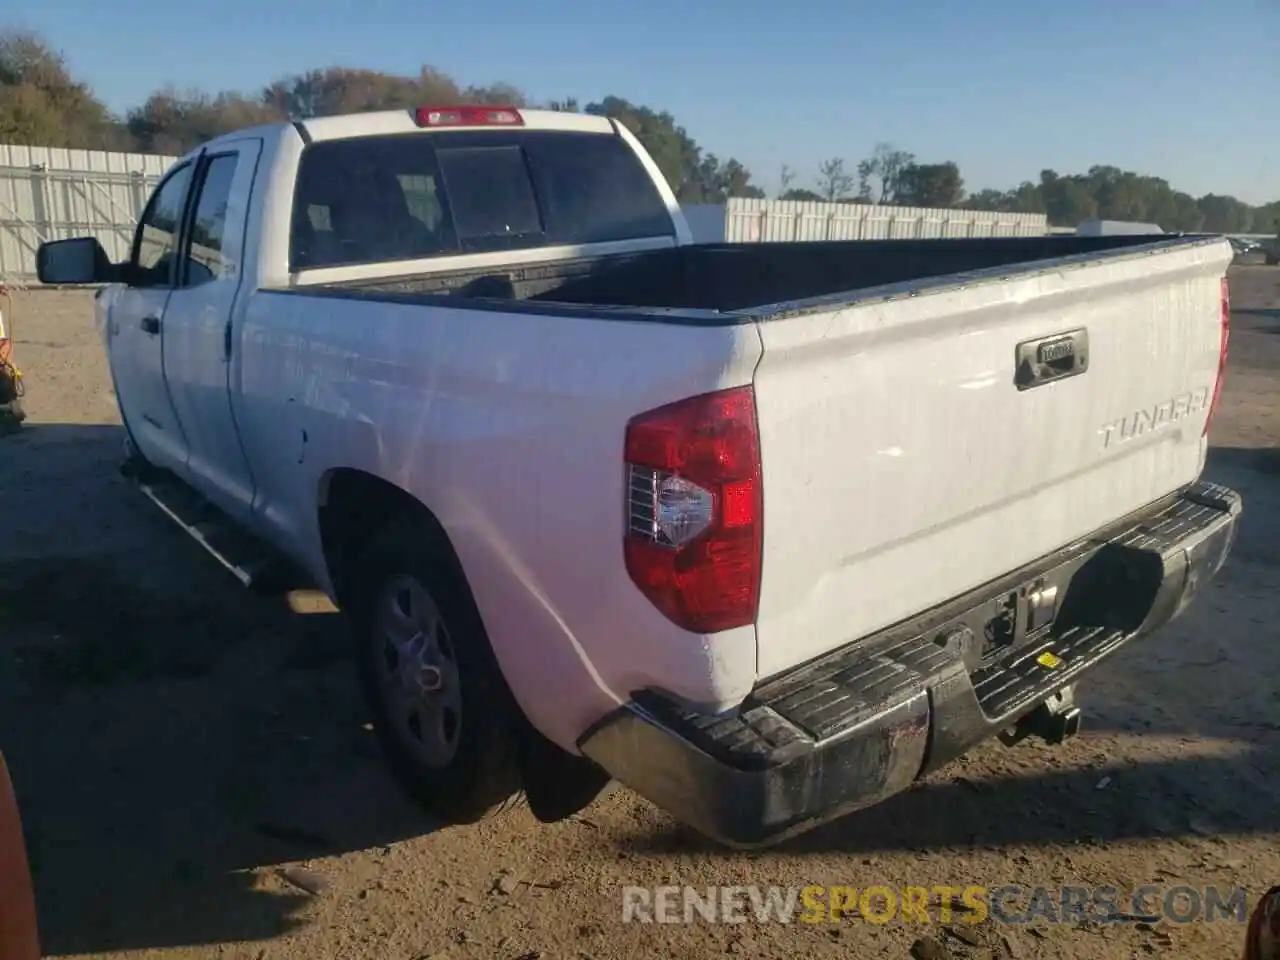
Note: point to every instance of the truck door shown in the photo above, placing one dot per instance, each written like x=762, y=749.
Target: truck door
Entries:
x=135, y=325
x=198, y=324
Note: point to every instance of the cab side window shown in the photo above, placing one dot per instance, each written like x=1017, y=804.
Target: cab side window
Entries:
x=155, y=245
x=204, y=260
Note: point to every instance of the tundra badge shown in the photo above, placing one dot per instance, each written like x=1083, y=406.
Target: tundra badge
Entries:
x=1155, y=417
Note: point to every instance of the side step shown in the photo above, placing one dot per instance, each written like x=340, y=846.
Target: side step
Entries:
x=250, y=561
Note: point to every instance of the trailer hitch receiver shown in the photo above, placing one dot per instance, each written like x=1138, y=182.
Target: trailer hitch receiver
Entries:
x=1056, y=720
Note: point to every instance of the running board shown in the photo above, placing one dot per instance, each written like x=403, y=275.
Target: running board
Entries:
x=251, y=562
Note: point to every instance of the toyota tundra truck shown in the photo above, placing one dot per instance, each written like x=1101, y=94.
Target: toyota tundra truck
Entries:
x=764, y=532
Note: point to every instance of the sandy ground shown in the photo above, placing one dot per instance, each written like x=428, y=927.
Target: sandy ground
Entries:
x=190, y=759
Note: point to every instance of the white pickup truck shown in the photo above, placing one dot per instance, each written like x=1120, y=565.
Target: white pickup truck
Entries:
x=764, y=532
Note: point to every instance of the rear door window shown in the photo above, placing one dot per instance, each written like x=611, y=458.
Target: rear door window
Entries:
x=403, y=197
x=205, y=260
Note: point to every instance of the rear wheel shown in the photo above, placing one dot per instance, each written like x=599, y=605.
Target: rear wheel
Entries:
x=446, y=722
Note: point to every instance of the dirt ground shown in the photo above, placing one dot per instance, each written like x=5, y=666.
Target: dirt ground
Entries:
x=199, y=781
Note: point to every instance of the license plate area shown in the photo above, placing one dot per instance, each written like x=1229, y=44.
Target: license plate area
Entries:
x=1111, y=586
x=1109, y=580
x=1020, y=617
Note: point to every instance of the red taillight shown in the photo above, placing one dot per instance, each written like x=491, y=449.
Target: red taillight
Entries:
x=473, y=116
x=1222, y=355
x=694, y=508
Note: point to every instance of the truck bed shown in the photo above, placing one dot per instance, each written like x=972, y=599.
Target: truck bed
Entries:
x=922, y=430
x=731, y=282
x=863, y=411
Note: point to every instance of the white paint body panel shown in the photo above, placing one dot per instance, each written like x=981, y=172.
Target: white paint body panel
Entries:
x=900, y=465
x=903, y=467
x=509, y=429
x=196, y=361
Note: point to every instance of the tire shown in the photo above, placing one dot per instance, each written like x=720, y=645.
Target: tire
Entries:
x=447, y=724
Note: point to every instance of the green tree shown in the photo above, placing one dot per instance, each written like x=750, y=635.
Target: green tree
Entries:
x=722, y=180
x=42, y=104
x=930, y=185
x=1187, y=213
x=173, y=122
x=991, y=199
x=799, y=193
x=1067, y=200
x=334, y=90
x=1114, y=194
x=693, y=177
x=1226, y=214
x=1266, y=219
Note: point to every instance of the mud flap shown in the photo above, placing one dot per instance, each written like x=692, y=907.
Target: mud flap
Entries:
x=558, y=784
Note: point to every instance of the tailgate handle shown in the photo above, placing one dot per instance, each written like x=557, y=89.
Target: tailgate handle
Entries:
x=1052, y=358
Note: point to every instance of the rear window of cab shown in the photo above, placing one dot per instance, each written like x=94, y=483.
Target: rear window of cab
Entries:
x=411, y=196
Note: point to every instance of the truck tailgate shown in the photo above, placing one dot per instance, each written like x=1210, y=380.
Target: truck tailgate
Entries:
x=903, y=464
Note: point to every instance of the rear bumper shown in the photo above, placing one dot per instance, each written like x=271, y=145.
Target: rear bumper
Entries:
x=863, y=722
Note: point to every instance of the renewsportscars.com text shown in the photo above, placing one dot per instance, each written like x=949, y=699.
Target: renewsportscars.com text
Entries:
x=1007, y=904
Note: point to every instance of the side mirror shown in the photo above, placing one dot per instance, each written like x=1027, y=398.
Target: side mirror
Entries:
x=81, y=260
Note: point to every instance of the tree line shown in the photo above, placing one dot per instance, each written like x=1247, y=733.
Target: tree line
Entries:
x=43, y=103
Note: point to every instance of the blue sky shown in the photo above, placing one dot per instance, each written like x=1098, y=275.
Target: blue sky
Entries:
x=1184, y=89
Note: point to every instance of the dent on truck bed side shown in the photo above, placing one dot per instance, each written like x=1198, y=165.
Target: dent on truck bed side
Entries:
x=509, y=429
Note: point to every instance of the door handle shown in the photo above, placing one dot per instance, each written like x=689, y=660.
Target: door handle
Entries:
x=151, y=325
x=1052, y=358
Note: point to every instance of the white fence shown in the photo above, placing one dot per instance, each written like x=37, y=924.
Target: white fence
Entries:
x=789, y=221
x=51, y=194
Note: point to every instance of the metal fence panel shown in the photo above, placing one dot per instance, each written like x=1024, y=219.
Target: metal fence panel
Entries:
x=48, y=193
x=788, y=221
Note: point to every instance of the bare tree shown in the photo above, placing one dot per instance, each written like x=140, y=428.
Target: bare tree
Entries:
x=833, y=182
x=883, y=169
x=785, y=179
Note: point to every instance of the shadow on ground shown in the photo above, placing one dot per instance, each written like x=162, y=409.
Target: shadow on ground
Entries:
x=1256, y=313
x=1160, y=800
x=1260, y=460
x=174, y=739
x=171, y=737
